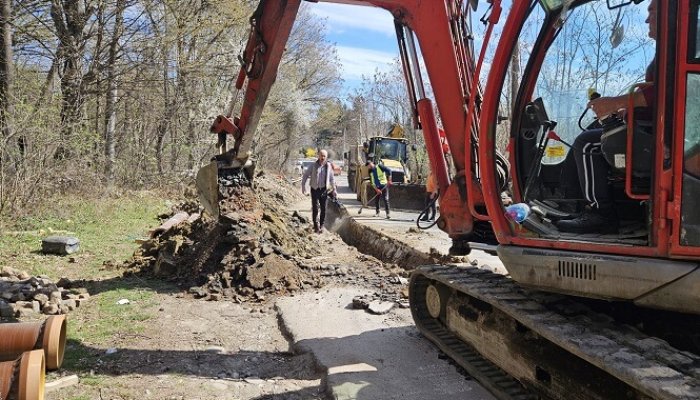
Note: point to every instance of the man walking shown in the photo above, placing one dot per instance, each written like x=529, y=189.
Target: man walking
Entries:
x=322, y=183
x=378, y=177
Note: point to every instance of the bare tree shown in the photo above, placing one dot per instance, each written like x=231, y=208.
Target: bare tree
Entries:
x=110, y=120
x=70, y=18
x=6, y=68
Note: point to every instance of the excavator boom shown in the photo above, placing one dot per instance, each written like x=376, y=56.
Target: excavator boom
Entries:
x=442, y=34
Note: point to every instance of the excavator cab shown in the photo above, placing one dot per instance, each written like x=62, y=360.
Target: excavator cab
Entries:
x=649, y=256
x=560, y=171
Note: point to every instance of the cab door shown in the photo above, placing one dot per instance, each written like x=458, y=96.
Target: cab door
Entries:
x=684, y=206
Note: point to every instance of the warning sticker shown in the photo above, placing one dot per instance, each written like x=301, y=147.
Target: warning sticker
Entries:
x=619, y=161
x=556, y=151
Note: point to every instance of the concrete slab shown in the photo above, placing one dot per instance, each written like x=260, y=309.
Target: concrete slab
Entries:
x=369, y=356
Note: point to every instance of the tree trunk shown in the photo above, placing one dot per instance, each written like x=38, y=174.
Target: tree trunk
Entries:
x=70, y=17
x=111, y=101
x=6, y=66
x=514, y=75
x=168, y=104
x=5, y=88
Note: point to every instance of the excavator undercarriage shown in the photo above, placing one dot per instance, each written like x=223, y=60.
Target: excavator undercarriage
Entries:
x=555, y=346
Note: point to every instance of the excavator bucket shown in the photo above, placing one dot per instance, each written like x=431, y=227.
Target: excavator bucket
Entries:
x=208, y=188
x=212, y=179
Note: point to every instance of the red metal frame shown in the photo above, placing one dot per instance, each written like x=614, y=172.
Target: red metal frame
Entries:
x=509, y=233
x=489, y=115
x=683, y=68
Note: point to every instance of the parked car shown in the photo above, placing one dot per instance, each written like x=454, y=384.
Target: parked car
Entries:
x=306, y=164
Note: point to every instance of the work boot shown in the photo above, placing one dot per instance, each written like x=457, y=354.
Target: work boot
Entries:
x=591, y=221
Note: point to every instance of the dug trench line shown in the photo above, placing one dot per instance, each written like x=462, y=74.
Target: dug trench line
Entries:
x=372, y=242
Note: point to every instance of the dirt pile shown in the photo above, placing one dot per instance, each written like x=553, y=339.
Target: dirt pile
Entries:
x=256, y=247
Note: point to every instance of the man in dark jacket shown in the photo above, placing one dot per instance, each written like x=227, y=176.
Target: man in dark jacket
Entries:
x=322, y=184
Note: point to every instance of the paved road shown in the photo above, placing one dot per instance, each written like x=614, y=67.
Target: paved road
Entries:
x=369, y=356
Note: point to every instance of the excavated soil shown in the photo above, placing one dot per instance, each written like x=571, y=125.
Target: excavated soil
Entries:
x=259, y=248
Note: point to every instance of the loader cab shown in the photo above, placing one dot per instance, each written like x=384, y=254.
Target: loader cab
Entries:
x=567, y=48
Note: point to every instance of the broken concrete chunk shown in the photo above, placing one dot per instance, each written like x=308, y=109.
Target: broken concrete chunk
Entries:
x=380, y=307
x=360, y=302
x=61, y=245
x=61, y=383
x=6, y=311
x=266, y=250
x=50, y=309
x=41, y=298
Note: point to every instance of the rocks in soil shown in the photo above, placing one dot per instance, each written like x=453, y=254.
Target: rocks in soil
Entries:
x=257, y=249
x=254, y=249
x=23, y=295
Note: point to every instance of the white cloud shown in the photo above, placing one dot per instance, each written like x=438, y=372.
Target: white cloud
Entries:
x=358, y=61
x=344, y=17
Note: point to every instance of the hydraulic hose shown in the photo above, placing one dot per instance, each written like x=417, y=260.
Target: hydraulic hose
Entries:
x=425, y=212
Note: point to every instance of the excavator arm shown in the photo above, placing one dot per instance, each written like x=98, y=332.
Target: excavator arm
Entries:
x=445, y=44
x=270, y=27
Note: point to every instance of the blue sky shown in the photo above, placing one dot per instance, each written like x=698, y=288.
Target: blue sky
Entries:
x=364, y=36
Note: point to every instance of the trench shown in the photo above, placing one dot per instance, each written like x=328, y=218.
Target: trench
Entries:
x=372, y=242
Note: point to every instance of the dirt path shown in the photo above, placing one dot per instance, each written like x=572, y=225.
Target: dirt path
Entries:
x=198, y=350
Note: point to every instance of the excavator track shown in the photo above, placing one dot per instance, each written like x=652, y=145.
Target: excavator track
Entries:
x=552, y=345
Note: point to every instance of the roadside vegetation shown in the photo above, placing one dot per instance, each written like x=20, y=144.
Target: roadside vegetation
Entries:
x=108, y=228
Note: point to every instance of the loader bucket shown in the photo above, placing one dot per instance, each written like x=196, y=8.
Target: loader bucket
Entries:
x=208, y=188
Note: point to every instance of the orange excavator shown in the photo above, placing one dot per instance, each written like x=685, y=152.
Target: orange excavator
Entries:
x=536, y=330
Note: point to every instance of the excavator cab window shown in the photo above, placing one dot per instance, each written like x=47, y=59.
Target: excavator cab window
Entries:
x=690, y=213
x=569, y=57
x=694, y=39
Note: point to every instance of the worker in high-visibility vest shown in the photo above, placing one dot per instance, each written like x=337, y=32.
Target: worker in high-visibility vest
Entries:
x=380, y=177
